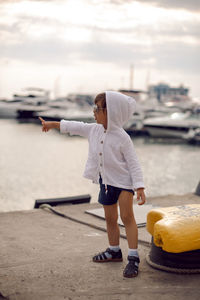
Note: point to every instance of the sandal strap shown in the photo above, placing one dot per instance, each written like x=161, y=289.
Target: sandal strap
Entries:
x=134, y=259
x=102, y=255
x=131, y=269
x=108, y=250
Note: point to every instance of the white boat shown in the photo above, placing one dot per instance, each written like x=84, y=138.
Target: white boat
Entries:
x=68, y=109
x=29, y=99
x=135, y=124
x=193, y=136
x=70, y=114
x=8, y=109
x=32, y=96
x=152, y=108
x=176, y=125
x=58, y=110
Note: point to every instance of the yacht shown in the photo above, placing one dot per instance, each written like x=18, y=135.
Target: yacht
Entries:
x=68, y=114
x=67, y=109
x=175, y=125
x=135, y=124
x=8, y=108
x=32, y=96
x=193, y=136
x=25, y=103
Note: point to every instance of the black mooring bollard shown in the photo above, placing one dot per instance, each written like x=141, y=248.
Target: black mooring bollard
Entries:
x=61, y=201
x=197, y=192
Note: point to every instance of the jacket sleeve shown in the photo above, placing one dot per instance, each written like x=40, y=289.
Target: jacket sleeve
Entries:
x=133, y=165
x=76, y=128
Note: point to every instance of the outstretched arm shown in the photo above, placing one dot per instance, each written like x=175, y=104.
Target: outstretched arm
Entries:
x=46, y=126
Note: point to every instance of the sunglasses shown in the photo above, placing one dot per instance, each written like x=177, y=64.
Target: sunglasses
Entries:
x=97, y=109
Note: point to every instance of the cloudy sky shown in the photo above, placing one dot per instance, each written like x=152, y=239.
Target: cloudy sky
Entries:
x=88, y=46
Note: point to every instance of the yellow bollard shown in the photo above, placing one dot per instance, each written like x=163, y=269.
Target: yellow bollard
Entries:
x=175, y=238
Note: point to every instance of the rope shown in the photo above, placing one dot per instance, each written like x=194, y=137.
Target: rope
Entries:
x=171, y=269
x=123, y=236
x=152, y=264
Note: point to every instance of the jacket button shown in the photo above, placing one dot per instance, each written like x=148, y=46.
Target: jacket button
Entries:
x=101, y=165
x=101, y=142
x=100, y=153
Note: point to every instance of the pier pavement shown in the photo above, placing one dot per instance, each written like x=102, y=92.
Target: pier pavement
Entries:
x=46, y=257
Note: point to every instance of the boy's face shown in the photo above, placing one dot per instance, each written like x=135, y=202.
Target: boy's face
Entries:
x=100, y=114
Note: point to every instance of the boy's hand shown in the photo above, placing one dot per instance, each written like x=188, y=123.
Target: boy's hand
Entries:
x=45, y=125
x=141, y=198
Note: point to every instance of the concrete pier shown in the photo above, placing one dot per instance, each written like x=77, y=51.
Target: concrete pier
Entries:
x=47, y=257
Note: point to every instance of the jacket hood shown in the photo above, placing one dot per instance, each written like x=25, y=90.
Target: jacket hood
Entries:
x=120, y=109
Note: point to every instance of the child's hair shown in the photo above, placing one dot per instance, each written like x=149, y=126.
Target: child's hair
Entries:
x=101, y=97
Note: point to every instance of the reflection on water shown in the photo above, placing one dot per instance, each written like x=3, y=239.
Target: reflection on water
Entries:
x=36, y=165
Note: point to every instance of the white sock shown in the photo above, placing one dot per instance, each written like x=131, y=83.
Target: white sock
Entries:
x=133, y=252
x=115, y=248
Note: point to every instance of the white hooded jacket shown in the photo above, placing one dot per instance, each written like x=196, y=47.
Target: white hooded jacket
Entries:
x=111, y=151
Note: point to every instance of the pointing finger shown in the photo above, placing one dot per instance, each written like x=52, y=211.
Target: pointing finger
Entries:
x=41, y=119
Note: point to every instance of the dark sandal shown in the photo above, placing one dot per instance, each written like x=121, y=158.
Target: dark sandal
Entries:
x=131, y=269
x=101, y=257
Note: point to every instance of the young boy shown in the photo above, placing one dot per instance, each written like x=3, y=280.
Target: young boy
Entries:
x=113, y=163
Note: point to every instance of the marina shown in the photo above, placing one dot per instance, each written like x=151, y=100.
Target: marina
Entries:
x=36, y=165
x=166, y=138
x=159, y=114
x=56, y=58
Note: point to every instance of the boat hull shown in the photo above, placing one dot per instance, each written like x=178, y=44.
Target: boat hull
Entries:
x=167, y=132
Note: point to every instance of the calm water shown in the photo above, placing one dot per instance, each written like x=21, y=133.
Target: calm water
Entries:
x=36, y=165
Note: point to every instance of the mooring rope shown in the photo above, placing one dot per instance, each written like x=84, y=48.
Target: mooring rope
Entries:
x=148, y=244
x=49, y=207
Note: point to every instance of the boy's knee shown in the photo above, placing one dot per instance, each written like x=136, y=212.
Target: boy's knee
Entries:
x=111, y=219
x=127, y=218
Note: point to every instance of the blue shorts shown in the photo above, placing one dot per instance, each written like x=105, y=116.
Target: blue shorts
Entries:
x=112, y=195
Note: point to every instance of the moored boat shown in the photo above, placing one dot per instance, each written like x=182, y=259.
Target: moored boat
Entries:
x=176, y=125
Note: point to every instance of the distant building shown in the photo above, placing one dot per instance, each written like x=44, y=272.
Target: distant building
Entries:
x=164, y=92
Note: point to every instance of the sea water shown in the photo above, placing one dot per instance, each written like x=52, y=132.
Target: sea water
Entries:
x=37, y=165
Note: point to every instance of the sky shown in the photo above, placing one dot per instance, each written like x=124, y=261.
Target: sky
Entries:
x=89, y=46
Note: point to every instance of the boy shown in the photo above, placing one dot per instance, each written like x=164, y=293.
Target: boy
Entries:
x=113, y=163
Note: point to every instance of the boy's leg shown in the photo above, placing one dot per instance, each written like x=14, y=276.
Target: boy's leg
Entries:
x=127, y=216
x=111, y=216
x=113, y=253
x=128, y=219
